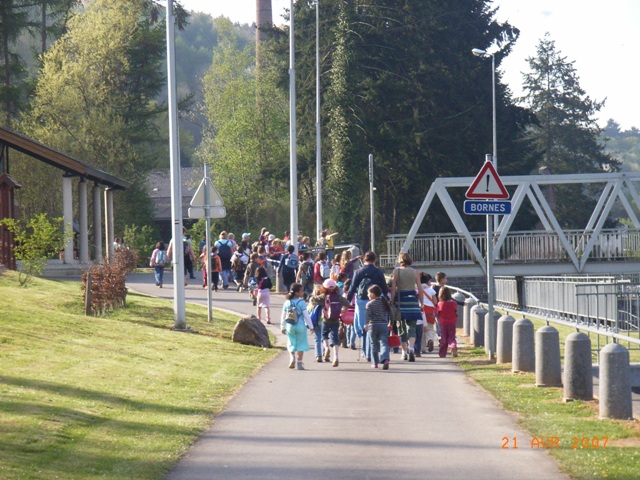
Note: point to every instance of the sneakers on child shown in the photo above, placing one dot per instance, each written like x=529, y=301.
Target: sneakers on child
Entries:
x=336, y=363
x=300, y=366
x=412, y=355
x=430, y=345
x=327, y=355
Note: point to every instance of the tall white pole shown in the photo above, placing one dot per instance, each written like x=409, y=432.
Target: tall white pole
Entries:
x=489, y=325
x=292, y=136
x=373, y=235
x=207, y=216
x=180, y=322
x=318, y=144
x=496, y=218
x=495, y=125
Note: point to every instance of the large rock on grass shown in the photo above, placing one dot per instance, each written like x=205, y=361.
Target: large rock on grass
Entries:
x=251, y=331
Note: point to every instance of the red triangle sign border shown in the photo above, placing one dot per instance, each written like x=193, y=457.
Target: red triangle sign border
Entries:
x=490, y=169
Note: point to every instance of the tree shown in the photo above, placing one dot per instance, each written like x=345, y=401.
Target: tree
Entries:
x=566, y=133
x=399, y=81
x=95, y=97
x=246, y=143
x=36, y=241
x=14, y=20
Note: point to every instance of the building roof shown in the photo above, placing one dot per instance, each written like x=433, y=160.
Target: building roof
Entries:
x=159, y=184
x=59, y=160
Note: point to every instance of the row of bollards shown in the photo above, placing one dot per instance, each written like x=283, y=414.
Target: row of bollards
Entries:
x=515, y=344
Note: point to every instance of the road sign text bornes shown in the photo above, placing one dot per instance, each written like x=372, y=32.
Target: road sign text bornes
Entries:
x=479, y=207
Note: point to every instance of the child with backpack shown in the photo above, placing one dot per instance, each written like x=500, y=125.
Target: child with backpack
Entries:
x=447, y=318
x=216, y=267
x=288, y=267
x=378, y=312
x=239, y=262
x=263, y=298
x=305, y=274
x=157, y=261
x=315, y=312
x=333, y=304
x=294, y=323
x=321, y=269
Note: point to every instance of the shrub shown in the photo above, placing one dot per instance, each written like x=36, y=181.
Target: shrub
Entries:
x=108, y=290
x=36, y=242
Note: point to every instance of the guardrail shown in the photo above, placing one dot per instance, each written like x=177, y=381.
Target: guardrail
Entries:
x=518, y=247
x=607, y=305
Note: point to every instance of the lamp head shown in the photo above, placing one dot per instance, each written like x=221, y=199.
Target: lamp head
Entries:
x=479, y=53
x=312, y=3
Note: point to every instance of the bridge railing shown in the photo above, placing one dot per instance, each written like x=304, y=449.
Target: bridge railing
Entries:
x=518, y=247
x=604, y=305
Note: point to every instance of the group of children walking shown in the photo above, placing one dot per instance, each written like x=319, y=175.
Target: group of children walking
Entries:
x=327, y=305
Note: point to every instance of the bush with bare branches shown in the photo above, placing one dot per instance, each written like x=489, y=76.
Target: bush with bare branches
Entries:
x=107, y=289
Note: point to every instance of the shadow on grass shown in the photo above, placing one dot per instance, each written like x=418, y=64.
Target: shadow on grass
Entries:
x=108, y=398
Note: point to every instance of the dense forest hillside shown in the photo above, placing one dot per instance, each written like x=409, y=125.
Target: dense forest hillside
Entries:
x=623, y=145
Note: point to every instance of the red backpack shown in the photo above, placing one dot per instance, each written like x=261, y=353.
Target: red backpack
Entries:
x=332, y=308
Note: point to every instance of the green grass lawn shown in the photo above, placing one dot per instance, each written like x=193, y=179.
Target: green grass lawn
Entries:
x=120, y=396
x=542, y=413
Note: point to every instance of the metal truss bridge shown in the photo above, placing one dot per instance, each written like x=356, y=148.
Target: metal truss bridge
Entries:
x=547, y=251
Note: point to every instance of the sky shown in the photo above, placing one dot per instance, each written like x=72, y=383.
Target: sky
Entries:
x=602, y=38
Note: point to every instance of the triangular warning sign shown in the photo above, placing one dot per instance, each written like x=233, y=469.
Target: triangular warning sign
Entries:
x=487, y=184
x=214, y=196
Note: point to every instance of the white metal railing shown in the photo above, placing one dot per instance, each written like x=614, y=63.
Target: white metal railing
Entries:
x=518, y=246
x=604, y=305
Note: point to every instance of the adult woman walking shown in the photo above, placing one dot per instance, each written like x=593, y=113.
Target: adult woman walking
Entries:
x=405, y=282
x=294, y=323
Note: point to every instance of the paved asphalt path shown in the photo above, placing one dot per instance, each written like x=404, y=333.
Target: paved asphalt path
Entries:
x=422, y=420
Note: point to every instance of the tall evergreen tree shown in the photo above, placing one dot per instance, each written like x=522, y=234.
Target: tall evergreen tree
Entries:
x=566, y=133
x=14, y=20
x=409, y=91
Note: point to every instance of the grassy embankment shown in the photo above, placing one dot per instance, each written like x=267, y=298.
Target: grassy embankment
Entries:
x=542, y=412
x=108, y=397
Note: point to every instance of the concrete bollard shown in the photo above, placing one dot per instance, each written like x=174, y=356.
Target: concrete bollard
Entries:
x=467, y=321
x=615, y=385
x=459, y=298
x=522, y=347
x=488, y=342
x=578, y=369
x=477, y=334
x=504, y=344
x=548, y=368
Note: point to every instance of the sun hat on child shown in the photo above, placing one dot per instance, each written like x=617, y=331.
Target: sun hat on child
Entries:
x=328, y=283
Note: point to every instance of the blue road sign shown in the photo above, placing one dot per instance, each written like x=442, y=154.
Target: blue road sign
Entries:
x=487, y=207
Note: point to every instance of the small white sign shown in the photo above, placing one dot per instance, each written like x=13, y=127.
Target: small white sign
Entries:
x=214, y=197
x=214, y=212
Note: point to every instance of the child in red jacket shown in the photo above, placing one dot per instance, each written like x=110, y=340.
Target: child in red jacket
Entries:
x=447, y=318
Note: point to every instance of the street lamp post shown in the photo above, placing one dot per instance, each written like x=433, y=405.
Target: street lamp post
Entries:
x=316, y=4
x=483, y=53
x=293, y=174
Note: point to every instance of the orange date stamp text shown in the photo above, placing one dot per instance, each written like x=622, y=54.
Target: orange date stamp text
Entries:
x=575, y=443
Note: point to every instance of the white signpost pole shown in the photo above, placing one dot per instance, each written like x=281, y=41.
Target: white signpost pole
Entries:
x=489, y=325
x=207, y=216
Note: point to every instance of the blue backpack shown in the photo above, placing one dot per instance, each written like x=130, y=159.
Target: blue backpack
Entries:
x=161, y=258
x=291, y=261
x=316, y=315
